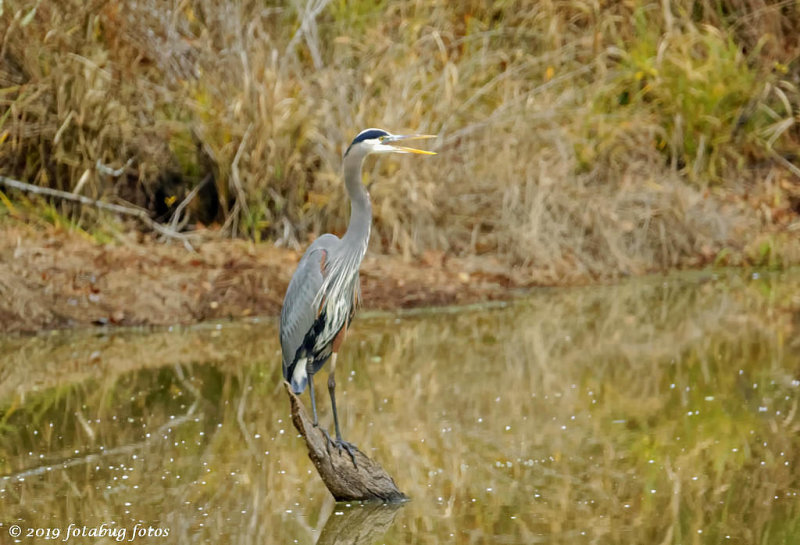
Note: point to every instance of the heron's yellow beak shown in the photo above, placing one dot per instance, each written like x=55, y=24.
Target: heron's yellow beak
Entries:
x=406, y=137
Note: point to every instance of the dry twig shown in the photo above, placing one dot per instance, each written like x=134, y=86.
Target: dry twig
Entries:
x=131, y=211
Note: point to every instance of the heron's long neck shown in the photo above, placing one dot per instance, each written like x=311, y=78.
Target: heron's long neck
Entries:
x=357, y=235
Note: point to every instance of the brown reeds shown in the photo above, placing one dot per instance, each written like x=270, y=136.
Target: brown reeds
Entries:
x=583, y=140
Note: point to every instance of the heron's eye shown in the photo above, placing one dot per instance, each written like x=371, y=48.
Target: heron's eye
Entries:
x=381, y=138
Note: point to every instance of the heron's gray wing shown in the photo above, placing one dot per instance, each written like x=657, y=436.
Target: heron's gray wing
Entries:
x=299, y=313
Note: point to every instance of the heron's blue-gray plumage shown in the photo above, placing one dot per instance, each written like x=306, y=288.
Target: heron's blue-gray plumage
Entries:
x=298, y=313
x=322, y=293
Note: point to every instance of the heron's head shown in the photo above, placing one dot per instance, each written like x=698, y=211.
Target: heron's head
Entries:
x=379, y=141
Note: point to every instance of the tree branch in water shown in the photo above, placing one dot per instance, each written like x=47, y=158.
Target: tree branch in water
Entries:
x=364, y=481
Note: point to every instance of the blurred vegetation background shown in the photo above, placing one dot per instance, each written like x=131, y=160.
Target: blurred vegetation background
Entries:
x=585, y=138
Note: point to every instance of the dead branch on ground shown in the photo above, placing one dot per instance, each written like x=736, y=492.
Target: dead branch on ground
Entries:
x=138, y=213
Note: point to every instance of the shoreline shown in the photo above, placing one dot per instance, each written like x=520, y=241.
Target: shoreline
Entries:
x=60, y=279
x=55, y=279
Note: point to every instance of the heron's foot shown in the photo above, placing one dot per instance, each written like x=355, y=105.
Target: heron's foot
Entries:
x=339, y=444
x=349, y=447
x=328, y=440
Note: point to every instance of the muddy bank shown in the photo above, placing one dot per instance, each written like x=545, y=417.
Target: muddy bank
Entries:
x=53, y=278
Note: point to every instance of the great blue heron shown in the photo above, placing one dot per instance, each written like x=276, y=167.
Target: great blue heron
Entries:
x=324, y=290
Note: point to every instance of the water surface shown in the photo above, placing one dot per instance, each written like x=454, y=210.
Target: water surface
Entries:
x=662, y=410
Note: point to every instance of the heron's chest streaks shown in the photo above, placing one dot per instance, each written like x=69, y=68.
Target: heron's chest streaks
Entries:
x=335, y=314
x=336, y=298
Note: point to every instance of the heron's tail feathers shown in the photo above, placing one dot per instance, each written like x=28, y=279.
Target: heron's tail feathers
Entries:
x=299, y=377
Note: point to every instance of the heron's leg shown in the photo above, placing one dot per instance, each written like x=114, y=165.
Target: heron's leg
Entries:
x=332, y=392
x=313, y=397
x=340, y=443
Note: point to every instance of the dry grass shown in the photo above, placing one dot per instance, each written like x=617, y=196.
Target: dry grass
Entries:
x=581, y=139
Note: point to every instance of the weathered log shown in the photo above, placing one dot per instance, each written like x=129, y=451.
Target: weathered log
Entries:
x=363, y=481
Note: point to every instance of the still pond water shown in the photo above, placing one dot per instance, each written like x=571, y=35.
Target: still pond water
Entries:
x=659, y=411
